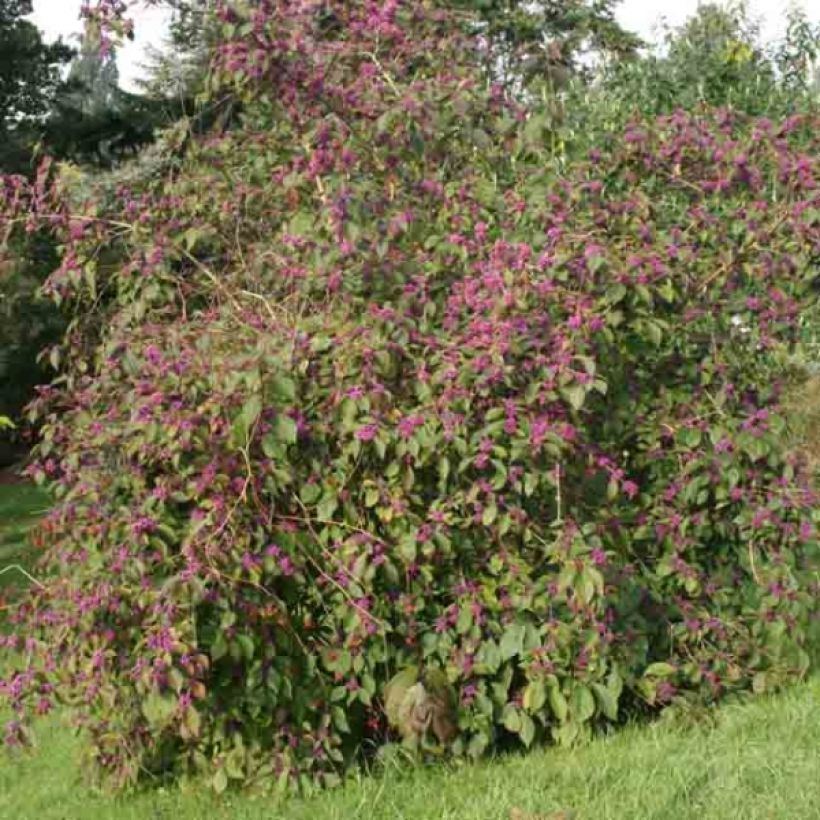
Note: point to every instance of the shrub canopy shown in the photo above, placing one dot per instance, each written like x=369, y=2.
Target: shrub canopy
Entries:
x=363, y=392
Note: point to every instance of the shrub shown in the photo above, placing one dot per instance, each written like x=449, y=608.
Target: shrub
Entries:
x=388, y=420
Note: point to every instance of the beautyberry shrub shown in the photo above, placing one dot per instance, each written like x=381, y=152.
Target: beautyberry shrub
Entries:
x=365, y=386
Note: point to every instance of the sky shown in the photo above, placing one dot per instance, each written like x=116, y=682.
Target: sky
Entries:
x=57, y=18
x=60, y=18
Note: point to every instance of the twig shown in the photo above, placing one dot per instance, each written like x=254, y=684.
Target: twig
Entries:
x=23, y=572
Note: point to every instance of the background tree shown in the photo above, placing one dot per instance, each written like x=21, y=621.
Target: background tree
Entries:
x=717, y=58
x=95, y=121
x=85, y=119
x=548, y=39
x=178, y=71
x=29, y=80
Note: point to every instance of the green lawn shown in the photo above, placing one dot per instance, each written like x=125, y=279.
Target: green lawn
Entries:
x=20, y=506
x=759, y=760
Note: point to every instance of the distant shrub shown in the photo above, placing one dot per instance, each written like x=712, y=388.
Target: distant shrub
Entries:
x=378, y=393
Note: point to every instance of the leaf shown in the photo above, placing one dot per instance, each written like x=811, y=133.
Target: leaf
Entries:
x=558, y=703
x=219, y=781
x=246, y=419
x=284, y=388
x=284, y=428
x=247, y=646
x=535, y=696
x=512, y=641
x=660, y=670
x=615, y=682
x=340, y=719
x=465, y=620
x=159, y=709
x=655, y=333
x=575, y=395
x=526, y=730
x=408, y=547
x=489, y=515
x=395, y=692
x=583, y=704
x=327, y=507
x=219, y=647
x=234, y=765
x=585, y=585
x=530, y=483
x=192, y=721
x=607, y=701
x=615, y=293
x=511, y=719
x=310, y=493
x=478, y=745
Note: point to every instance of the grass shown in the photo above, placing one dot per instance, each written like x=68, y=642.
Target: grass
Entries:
x=759, y=760
x=20, y=506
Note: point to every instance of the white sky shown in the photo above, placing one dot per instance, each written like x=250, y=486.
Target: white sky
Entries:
x=61, y=17
x=642, y=16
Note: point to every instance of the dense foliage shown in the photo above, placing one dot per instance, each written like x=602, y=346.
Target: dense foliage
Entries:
x=371, y=424
x=29, y=78
x=717, y=58
x=85, y=119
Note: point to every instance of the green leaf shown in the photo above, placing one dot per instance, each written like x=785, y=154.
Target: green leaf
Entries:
x=247, y=645
x=558, y=703
x=284, y=388
x=340, y=719
x=512, y=641
x=310, y=493
x=159, y=709
x=395, y=692
x=408, y=548
x=526, y=730
x=465, y=620
x=489, y=515
x=511, y=719
x=607, y=701
x=660, y=670
x=192, y=721
x=535, y=696
x=219, y=647
x=583, y=704
x=235, y=764
x=219, y=782
x=655, y=333
x=478, y=745
x=530, y=483
x=328, y=505
x=284, y=428
x=246, y=419
x=575, y=395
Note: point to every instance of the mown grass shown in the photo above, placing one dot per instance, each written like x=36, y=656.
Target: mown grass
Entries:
x=20, y=506
x=758, y=760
